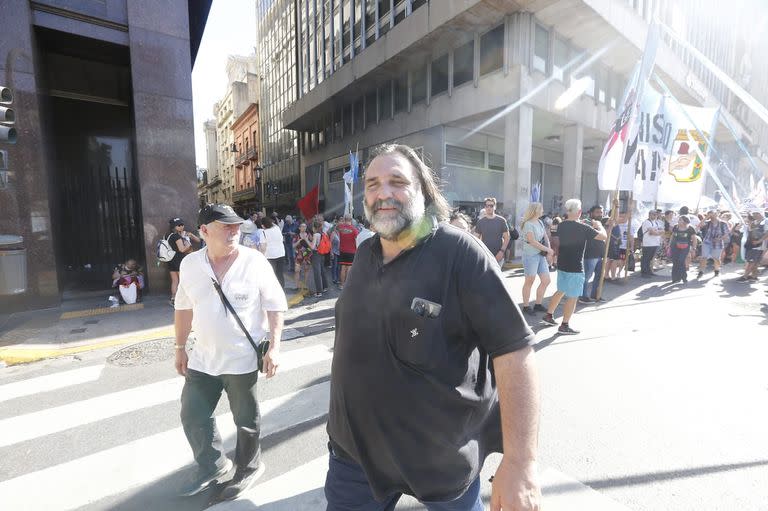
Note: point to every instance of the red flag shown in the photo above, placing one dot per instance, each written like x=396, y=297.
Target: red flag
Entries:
x=309, y=204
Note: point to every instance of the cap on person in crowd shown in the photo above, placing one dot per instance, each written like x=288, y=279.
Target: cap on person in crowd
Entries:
x=221, y=213
x=176, y=221
x=248, y=227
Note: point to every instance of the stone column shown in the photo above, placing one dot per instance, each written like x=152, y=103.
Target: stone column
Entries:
x=518, y=146
x=573, y=144
x=24, y=204
x=162, y=103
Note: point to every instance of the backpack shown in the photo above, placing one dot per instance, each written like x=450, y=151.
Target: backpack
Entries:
x=324, y=247
x=164, y=250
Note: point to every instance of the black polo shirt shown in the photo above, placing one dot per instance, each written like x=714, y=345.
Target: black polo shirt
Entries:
x=413, y=400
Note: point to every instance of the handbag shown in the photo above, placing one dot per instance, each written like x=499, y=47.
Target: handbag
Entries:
x=260, y=348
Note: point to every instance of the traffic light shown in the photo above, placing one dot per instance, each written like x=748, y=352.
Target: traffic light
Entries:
x=7, y=116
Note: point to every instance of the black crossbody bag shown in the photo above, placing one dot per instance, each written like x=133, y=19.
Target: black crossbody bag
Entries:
x=260, y=348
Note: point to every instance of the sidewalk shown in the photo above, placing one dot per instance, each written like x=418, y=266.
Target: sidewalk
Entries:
x=89, y=323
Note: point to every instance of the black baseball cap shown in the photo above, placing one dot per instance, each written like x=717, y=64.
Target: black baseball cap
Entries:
x=222, y=213
x=176, y=221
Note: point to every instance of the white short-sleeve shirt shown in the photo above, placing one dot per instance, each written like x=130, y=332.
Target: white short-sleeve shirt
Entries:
x=251, y=287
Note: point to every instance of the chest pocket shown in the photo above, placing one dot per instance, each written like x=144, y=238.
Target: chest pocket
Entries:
x=418, y=341
x=242, y=296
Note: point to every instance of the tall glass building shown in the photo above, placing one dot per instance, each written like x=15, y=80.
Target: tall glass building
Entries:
x=278, y=53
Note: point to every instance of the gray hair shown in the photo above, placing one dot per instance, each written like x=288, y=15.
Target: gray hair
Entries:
x=572, y=206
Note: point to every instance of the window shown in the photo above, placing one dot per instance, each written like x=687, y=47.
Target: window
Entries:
x=589, y=74
x=399, y=11
x=492, y=50
x=401, y=93
x=465, y=157
x=417, y=4
x=614, y=90
x=347, y=119
x=384, y=17
x=540, y=49
x=496, y=161
x=359, y=115
x=463, y=63
x=562, y=54
x=602, y=85
x=385, y=99
x=370, y=21
x=419, y=85
x=370, y=109
x=337, y=125
x=440, y=75
x=337, y=175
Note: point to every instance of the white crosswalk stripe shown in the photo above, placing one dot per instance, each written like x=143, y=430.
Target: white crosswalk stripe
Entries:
x=125, y=469
x=50, y=382
x=52, y=420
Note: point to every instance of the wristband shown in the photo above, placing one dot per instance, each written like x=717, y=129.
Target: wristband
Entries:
x=180, y=346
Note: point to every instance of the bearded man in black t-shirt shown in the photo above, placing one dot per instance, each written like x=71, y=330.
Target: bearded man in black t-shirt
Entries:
x=574, y=236
x=424, y=317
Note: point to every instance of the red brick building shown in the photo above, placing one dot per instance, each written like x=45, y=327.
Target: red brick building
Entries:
x=247, y=196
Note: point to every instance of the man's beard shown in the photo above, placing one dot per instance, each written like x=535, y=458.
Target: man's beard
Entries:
x=390, y=227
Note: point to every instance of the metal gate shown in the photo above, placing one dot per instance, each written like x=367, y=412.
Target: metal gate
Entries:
x=102, y=224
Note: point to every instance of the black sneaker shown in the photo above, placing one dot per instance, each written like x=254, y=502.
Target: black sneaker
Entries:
x=742, y=279
x=240, y=483
x=700, y=274
x=717, y=273
x=539, y=308
x=203, y=478
x=566, y=330
x=529, y=311
x=548, y=319
x=586, y=299
x=600, y=300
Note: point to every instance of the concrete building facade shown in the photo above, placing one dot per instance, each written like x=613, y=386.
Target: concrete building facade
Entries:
x=473, y=85
x=242, y=91
x=105, y=155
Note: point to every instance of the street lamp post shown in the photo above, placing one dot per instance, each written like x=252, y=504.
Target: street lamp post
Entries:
x=272, y=191
x=257, y=185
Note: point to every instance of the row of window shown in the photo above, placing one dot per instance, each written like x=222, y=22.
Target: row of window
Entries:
x=466, y=157
x=332, y=32
x=391, y=97
x=552, y=55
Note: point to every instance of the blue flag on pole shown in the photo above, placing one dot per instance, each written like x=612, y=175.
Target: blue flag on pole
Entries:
x=350, y=176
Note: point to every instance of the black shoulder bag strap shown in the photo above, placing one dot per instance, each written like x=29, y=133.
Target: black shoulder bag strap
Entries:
x=263, y=346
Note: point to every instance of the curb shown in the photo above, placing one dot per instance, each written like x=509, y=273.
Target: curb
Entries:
x=20, y=354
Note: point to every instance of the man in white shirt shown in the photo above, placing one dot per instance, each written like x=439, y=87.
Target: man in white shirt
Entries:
x=221, y=356
x=652, y=229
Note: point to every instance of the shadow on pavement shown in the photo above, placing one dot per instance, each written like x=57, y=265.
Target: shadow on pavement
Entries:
x=161, y=495
x=653, y=477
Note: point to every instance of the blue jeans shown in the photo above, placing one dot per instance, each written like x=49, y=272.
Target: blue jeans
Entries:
x=596, y=282
x=335, y=268
x=590, y=265
x=347, y=489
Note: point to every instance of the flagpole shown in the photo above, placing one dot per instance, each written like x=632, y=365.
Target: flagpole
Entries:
x=630, y=237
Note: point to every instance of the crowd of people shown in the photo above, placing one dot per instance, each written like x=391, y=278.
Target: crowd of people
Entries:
x=425, y=313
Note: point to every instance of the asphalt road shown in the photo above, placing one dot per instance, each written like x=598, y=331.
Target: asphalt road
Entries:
x=659, y=404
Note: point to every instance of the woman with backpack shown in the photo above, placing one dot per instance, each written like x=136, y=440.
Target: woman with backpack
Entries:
x=321, y=245
x=179, y=240
x=682, y=241
x=275, y=249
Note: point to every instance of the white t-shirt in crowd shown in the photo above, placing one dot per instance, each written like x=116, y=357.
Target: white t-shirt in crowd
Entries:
x=623, y=227
x=650, y=240
x=250, y=285
x=363, y=235
x=273, y=237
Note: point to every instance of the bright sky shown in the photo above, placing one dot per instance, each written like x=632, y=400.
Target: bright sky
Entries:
x=230, y=30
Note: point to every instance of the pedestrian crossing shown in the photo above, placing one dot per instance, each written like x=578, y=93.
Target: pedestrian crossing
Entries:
x=295, y=403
